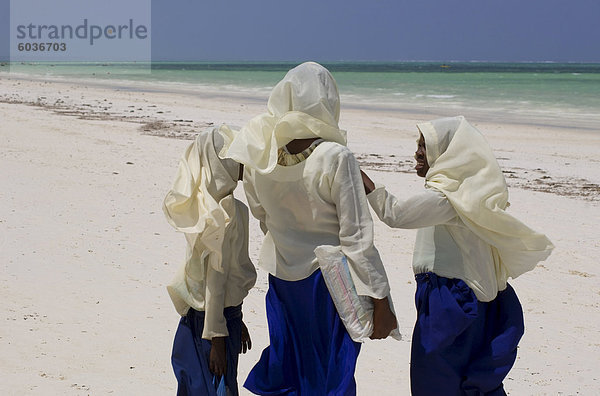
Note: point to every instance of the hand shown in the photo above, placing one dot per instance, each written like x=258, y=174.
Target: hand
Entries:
x=246, y=341
x=367, y=182
x=218, y=358
x=384, y=320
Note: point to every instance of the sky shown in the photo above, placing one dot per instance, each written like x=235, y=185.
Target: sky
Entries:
x=368, y=30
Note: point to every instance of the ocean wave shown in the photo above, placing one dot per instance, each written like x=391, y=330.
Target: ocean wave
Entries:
x=441, y=96
x=435, y=96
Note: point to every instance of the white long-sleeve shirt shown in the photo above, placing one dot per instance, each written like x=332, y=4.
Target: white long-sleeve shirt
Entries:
x=320, y=201
x=215, y=290
x=444, y=245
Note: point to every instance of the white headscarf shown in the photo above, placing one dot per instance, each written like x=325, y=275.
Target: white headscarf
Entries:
x=464, y=168
x=305, y=104
x=200, y=203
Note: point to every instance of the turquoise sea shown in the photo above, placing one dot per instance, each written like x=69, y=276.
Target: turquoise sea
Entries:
x=567, y=90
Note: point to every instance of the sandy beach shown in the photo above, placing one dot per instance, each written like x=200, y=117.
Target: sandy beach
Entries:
x=86, y=252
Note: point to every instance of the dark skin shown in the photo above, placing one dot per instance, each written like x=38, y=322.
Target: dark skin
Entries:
x=217, y=360
x=384, y=320
x=422, y=166
x=218, y=356
x=241, y=173
x=299, y=145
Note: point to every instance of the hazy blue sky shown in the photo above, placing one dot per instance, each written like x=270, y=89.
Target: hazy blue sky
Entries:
x=393, y=30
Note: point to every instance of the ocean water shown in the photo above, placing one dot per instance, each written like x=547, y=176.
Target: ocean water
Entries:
x=568, y=91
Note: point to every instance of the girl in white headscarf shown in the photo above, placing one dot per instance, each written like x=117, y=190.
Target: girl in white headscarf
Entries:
x=217, y=274
x=469, y=320
x=305, y=187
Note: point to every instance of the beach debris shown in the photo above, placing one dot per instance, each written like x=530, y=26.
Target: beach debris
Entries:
x=80, y=387
x=155, y=125
x=179, y=129
x=581, y=274
x=528, y=179
x=386, y=163
x=539, y=180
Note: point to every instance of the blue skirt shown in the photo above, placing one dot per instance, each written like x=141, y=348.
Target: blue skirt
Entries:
x=461, y=346
x=310, y=351
x=190, y=356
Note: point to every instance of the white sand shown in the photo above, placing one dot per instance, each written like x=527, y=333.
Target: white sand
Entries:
x=86, y=253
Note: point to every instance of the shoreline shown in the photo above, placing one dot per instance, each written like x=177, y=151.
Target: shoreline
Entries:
x=537, y=115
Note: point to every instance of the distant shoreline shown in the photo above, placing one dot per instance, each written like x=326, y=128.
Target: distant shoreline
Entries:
x=585, y=121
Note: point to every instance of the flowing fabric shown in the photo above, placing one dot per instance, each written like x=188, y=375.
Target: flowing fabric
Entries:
x=305, y=104
x=190, y=356
x=461, y=346
x=311, y=352
x=464, y=168
x=200, y=203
